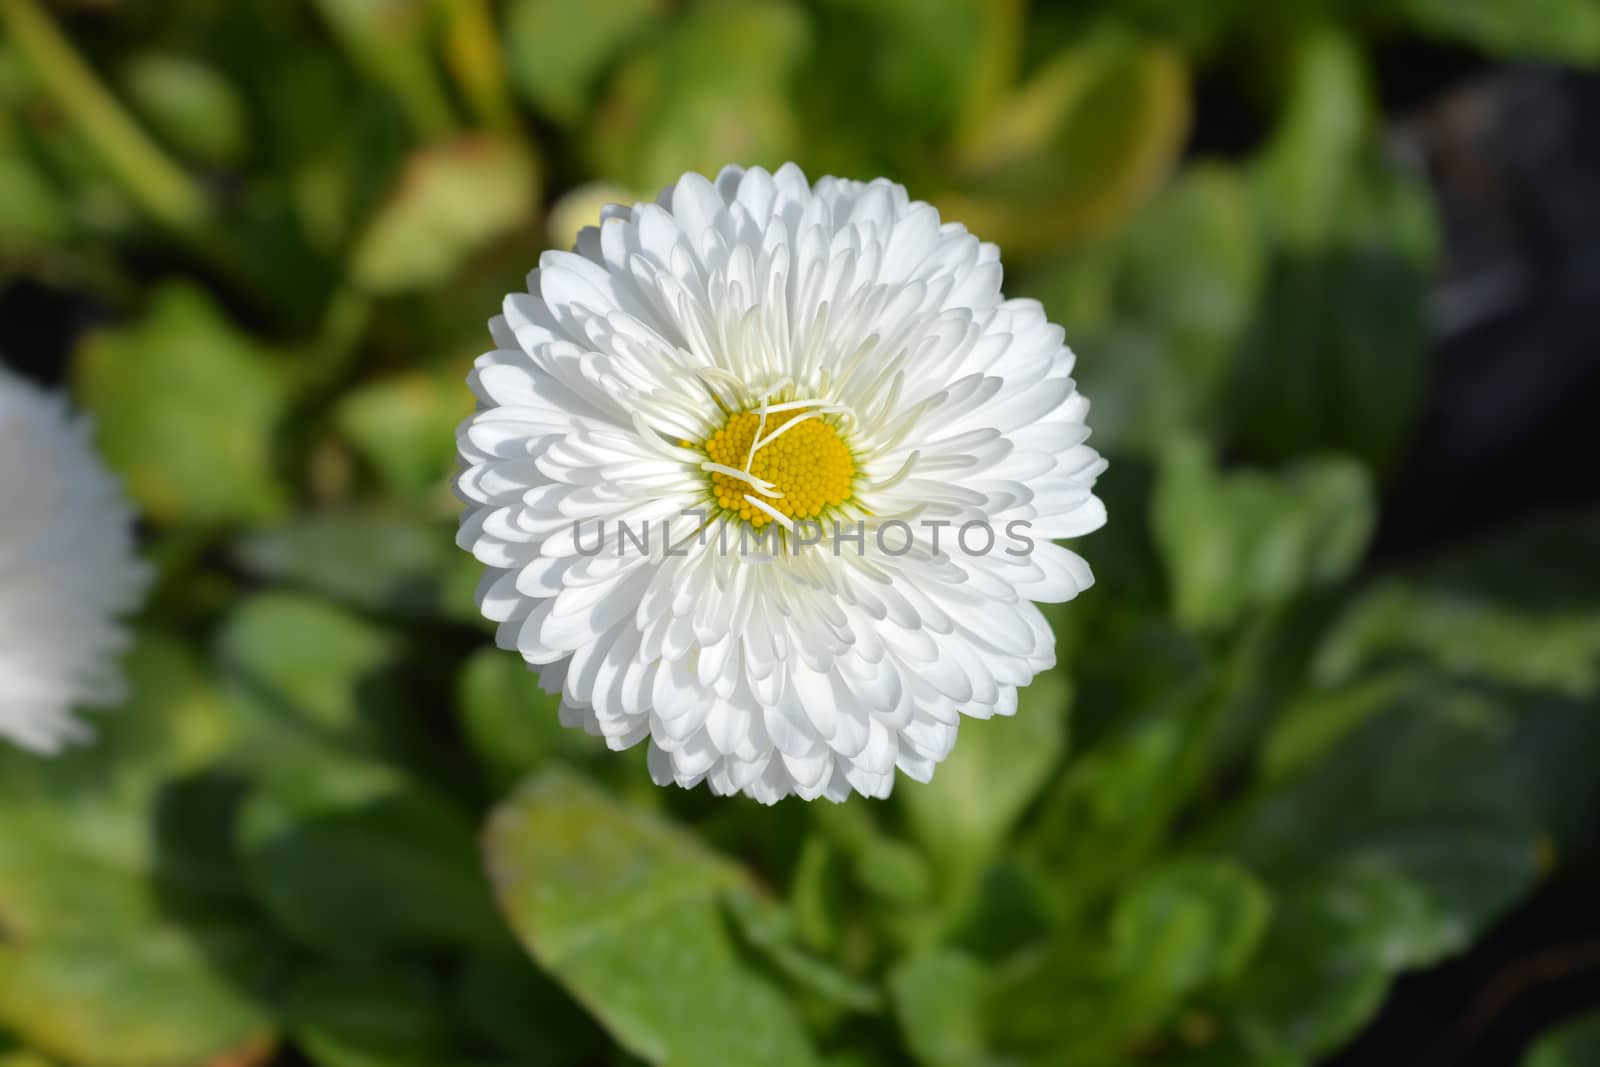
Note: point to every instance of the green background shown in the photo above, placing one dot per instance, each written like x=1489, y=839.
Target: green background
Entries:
x=334, y=826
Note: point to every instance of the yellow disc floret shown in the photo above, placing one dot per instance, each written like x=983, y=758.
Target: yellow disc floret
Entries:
x=808, y=463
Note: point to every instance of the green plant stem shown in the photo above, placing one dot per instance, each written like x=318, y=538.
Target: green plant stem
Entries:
x=161, y=187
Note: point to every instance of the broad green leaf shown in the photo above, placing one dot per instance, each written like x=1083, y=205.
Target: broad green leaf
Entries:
x=938, y=1000
x=1174, y=932
x=1466, y=635
x=511, y=722
x=405, y=427
x=303, y=674
x=388, y=563
x=710, y=89
x=1076, y=149
x=1572, y=1044
x=1517, y=607
x=1202, y=920
x=140, y=995
x=623, y=908
x=186, y=408
x=1241, y=540
x=996, y=768
x=1334, y=946
x=1561, y=30
x=1337, y=354
x=389, y=40
x=1423, y=789
x=82, y=835
x=191, y=104
x=560, y=49
x=1162, y=306
x=518, y=1009
x=369, y=1017
x=356, y=862
x=452, y=199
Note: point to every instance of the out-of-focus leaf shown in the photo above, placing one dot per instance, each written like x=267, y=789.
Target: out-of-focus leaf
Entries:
x=355, y=861
x=709, y=89
x=1562, y=30
x=1180, y=929
x=1163, y=306
x=406, y=427
x=1336, y=357
x=389, y=39
x=452, y=199
x=938, y=1000
x=906, y=65
x=623, y=908
x=771, y=930
x=1517, y=608
x=512, y=724
x=140, y=995
x=885, y=866
x=1334, y=946
x=1202, y=920
x=1233, y=541
x=80, y=833
x=296, y=667
x=994, y=771
x=559, y=49
x=186, y=409
x=1573, y=1044
x=1076, y=149
x=519, y=1010
x=1466, y=635
x=189, y=103
x=393, y=564
x=1422, y=789
x=369, y=1017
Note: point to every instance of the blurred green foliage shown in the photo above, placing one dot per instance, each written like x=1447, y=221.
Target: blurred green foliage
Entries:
x=333, y=826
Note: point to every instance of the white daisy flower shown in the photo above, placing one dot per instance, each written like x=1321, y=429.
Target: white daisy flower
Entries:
x=67, y=570
x=755, y=471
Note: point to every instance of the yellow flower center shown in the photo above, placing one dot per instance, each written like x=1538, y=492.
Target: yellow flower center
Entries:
x=808, y=463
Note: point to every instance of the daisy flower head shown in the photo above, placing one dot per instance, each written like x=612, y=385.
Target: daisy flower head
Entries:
x=766, y=474
x=67, y=570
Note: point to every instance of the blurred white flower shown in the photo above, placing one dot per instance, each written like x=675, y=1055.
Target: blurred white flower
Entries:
x=830, y=367
x=67, y=570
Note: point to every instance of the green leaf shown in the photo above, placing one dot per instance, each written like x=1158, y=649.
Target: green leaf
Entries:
x=521, y=1011
x=623, y=908
x=302, y=673
x=1573, y=1044
x=996, y=768
x=1163, y=305
x=1247, y=539
x=186, y=409
x=938, y=999
x=405, y=427
x=1422, y=789
x=709, y=89
x=1075, y=150
x=369, y=1017
x=1562, y=30
x=388, y=563
x=511, y=722
x=1326, y=966
x=559, y=49
x=1187, y=925
x=452, y=199
x=390, y=41
x=1337, y=355
x=189, y=103
x=132, y=996
x=355, y=861
x=82, y=835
